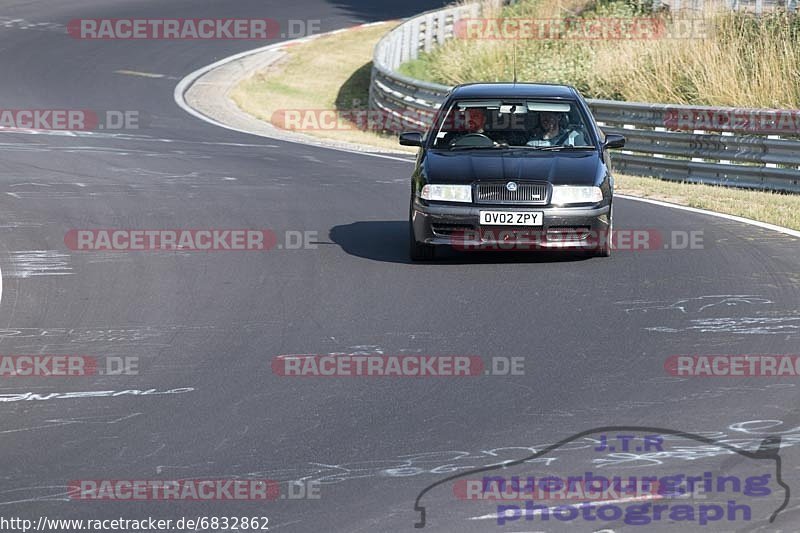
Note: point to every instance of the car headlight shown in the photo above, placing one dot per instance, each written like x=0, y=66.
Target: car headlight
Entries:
x=570, y=194
x=447, y=193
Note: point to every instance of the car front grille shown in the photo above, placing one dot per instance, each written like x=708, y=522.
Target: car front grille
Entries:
x=530, y=193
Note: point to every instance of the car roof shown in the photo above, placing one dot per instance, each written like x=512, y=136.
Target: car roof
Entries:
x=514, y=90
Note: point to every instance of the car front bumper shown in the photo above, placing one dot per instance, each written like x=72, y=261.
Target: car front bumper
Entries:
x=572, y=228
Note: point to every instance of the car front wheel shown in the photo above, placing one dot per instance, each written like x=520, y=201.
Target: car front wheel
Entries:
x=604, y=249
x=417, y=251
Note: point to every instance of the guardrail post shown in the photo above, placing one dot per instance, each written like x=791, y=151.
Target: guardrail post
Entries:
x=726, y=134
x=772, y=165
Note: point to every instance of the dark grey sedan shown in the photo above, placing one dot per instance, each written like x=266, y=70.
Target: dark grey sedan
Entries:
x=512, y=166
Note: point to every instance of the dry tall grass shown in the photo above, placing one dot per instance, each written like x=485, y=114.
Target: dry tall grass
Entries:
x=742, y=60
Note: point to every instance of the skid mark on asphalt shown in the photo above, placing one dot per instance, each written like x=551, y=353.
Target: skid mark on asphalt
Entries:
x=738, y=326
x=11, y=223
x=22, y=24
x=61, y=495
x=32, y=263
x=172, y=178
x=744, y=435
x=127, y=137
x=80, y=191
x=111, y=335
x=59, y=422
x=695, y=305
x=107, y=339
x=19, y=147
x=719, y=392
x=140, y=74
x=775, y=322
x=45, y=396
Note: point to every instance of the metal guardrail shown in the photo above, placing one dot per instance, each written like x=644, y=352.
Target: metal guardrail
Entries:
x=405, y=98
x=751, y=148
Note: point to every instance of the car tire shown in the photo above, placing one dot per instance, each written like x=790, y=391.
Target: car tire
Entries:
x=605, y=247
x=419, y=251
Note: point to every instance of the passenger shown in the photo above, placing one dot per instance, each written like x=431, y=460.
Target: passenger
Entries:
x=555, y=130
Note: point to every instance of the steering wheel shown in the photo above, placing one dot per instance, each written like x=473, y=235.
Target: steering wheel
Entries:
x=472, y=139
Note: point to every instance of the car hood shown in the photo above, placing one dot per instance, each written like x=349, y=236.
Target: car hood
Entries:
x=559, y=168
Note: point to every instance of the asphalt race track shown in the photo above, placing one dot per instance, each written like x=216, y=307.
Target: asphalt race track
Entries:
x=594, y=333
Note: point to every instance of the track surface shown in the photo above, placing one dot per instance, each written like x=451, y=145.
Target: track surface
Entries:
x=594, y=333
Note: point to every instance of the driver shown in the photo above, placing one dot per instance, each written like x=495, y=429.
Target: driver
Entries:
x=474, y=121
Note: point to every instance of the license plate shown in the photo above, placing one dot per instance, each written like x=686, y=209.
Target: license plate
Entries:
x=511, y=218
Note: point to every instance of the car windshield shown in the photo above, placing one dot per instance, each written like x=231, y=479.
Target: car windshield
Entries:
x=517, y=124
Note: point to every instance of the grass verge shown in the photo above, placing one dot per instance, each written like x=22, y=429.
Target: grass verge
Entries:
x=340, y=65
x=773, y=208
x=327, y=73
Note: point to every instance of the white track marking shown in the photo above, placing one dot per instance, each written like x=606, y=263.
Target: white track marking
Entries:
x=186, y=82
x=139, y=73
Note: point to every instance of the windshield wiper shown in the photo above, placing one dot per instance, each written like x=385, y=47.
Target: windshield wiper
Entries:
x=558, y=148
x=501, y=146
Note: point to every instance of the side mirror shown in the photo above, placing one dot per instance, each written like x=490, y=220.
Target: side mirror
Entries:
x=411, y=138
x=614, y=140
